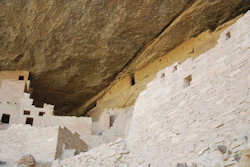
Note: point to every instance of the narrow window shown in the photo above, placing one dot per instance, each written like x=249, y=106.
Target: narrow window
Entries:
x=21, y=78
x=228, y=35
x=132, y=79
x=29, y=77
x=29, y=121
x=111, y=120
x=163, y=75
x=175, y=68
x=5, y=118
x=25, y=112
x=187, y=81
x=41, y=113
x=26, y=88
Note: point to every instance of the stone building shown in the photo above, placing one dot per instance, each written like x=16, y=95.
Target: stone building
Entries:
x=27, y=129
x=45, y=144
x=16, y=106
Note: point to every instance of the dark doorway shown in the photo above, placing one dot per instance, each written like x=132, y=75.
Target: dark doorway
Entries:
x=112, y=120
x=5, y=118
x=132, y=79
x=26, y=90
x=29, y=121
x=21, y=77
x=29, y=77
x=41, y=113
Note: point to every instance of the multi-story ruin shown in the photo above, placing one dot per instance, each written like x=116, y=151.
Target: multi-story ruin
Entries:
x=16, y=106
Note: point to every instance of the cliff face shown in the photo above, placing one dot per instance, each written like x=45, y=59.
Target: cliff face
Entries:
x=74, y=49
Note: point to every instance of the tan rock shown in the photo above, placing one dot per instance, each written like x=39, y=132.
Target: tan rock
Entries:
x=26, y=161
x=245, y=158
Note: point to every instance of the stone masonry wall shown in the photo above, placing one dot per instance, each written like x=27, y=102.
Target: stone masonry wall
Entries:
x=70, y=141
x=20, y=140
x=190, y=109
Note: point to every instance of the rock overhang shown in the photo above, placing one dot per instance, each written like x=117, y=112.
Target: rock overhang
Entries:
x=75, y=49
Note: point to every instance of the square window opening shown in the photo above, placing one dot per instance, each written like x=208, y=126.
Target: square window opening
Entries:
x=29, y=121
x=175, y=68
x=41, y=113
x=5, y=118
x=21, y=78
x=26, y=112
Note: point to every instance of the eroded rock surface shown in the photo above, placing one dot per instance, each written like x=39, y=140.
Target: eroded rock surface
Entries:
x=75, y=48
x=26, y=161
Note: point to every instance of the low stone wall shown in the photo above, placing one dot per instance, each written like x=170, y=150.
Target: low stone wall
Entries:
x=45, y=144
x=80, y=125
x=119, y=123
x=19, y=140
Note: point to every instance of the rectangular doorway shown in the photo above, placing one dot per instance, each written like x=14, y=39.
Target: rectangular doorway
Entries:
x=29, y=121
x=5, y=118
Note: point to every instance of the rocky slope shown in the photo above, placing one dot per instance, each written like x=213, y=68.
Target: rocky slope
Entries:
x=76, y=48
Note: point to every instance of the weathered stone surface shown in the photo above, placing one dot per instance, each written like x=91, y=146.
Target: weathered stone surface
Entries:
x=172, y=123
x=2, y=162
x=222, y=148
x=181, y=165
x=26, y=161
x=75, y=48
x=201, y=15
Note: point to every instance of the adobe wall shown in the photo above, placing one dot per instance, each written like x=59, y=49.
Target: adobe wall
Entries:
x=118, y=127
x=16, y=76
x=19, y=140
x=11, y=90
x=13, y=75
x=101, y=120
x=119, y=124
x=68, y=140
x=80, y=125
x=18, y=104
x=45, y=144
x=16, y=109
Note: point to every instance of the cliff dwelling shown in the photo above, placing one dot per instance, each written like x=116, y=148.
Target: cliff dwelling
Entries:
x=125, y=83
